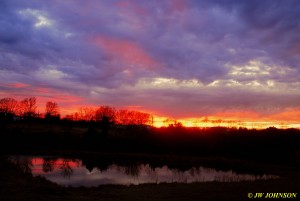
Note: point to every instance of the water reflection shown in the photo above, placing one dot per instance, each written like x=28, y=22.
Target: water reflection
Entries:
x=74, y=172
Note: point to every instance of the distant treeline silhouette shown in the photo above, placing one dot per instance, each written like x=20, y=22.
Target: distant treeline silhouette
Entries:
x=106, y=129
x=10, y=108
x=13, y=110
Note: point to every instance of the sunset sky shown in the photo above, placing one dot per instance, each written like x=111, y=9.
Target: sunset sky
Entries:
x=183, y=59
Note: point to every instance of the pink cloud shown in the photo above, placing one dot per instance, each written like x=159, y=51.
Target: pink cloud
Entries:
x=178, y=5
x=128, y=52
x=15, y=85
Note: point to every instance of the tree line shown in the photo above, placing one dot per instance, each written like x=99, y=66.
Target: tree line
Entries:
x=25, y=108
x=11, y=109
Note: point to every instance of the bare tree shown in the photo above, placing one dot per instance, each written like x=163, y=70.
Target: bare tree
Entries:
x=127, y=117
x=173, y=123
x=52, y=110
x=28, y=107
x=86, y=113
x=122, y=117
x=105, y=112
x=106, y=116
x=8, y=106
x=142, y=118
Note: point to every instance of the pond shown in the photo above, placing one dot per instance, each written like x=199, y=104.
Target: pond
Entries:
x=75, y=173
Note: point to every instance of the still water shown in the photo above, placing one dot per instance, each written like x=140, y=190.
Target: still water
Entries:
x=74, y=172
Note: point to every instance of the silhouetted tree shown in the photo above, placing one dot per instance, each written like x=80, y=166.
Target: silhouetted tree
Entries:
x=28, y=107
x=52, y=111
x=86, y=113
x=142, y=118
x=106, y=116
x=122, y=117
x=127, y=117
x=8, y=107
x=172, y=123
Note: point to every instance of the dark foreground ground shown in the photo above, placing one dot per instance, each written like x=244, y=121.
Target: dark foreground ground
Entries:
x=15, y=185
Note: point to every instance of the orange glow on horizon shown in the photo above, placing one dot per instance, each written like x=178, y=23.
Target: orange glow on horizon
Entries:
x=70, y=104
x=220, y=121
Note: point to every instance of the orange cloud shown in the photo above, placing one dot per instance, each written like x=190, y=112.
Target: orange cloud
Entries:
x=292, y=115
x=240, y=115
